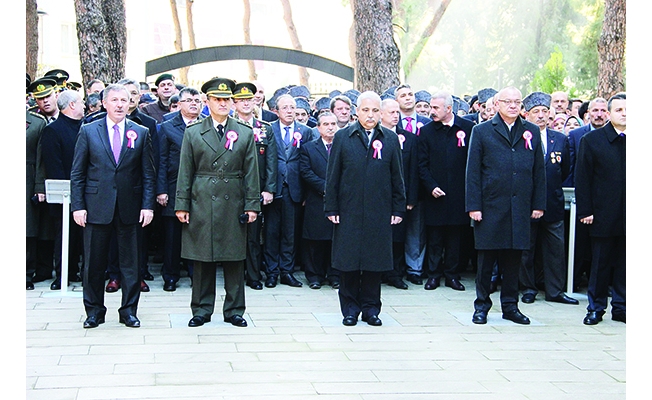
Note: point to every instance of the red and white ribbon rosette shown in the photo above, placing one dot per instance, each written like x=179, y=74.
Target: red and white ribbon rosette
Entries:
x=131, y=138
x=527, y=135
x=377, y=145
x=419, y=126
x=297, y=139
x=231, y=137
x=257, y=137
x=401, y=139
x=460, y=138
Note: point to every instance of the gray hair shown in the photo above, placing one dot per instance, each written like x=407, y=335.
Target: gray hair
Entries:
x=66, y=97
x=369, y=95
x=114, y=87
x=448, y=98
x=127, y=81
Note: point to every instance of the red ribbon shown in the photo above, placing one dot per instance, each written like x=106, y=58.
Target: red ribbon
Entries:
x=297, y=139
x=460, y=138
x=131, y=138
x=527, y=135
x=377, y=145
x=231, y=137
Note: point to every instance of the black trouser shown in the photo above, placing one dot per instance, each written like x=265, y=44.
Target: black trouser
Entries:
x=608, y=267
x=509, y=261
x=172, y=252
x=280, y=227
x=97, y=245
x=317, y=261
x=360, y=293
x=254, y=259
x=443, y=251
x=202, y=301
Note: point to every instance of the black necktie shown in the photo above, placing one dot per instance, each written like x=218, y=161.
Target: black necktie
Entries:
x=220, y=131
x=369, y=133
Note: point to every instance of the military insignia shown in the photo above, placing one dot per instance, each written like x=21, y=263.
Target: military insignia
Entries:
x=222, y=86
x=40, y=88
x=261, y=151
x=245, y=90
x=558, y=158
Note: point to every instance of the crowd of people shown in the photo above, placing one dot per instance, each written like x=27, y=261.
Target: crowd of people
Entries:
x=354, y=189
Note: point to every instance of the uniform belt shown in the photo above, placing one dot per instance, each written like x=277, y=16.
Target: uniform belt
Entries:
x=221, y=174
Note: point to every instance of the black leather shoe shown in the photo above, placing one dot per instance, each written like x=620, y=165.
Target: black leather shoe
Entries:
x=290, y=280
x=130, y=321
x=147, y=276
x=256, y=285
x=479, y=317
x=563, y=299
x=373, y=320
x=93, y=322
x=335, y=285
x=144, y=287
x=619, y=316
x=315, y=285
x=528, y=298
x=455, y=284
x=517, y=317
x=593, y=317
x=170, y=286
x=270, y=282
x=198, y=321
x=30, y=285
x=350, y=321
x=414, y=278
x=431, y=284
x=56, y=284
x=236, y=320
x=398, y=284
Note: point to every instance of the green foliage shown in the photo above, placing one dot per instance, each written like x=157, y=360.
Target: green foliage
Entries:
x=551, y=77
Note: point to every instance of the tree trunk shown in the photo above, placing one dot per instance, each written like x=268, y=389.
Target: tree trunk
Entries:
x=294, y=37
x=247, y=38
x=377, y=55
x=93, y=46
x=178, y=40
x=413, y=56
x=191, y=25
x=611, y=50
x=352, y=43
x=116, y=37
x=31, y=39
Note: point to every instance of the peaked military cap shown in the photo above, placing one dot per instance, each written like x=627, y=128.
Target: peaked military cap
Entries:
x=219, y=87
x=43, y=87
x=244, y=90
x=60, y=76
x=485, y=94
x=164, y=77
x=536, y=99
x=74, y=86
x=334, y=93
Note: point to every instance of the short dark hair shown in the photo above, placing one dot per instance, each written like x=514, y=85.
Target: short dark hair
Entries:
x=617, y=96
x=190, y=90
x=584, y=108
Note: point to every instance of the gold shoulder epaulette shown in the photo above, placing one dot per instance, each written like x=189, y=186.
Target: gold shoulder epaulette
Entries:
x=35, y=114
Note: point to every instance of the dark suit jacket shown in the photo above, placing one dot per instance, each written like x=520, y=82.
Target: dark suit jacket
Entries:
x=506, y=181
x=314, y=161
x=600, y=181
x=97, y=183
x=574, y=137
x=288, y=172
x=442, y=163
x=170, y=139
x=268, y=116
x=557, y=160
x=410, y=177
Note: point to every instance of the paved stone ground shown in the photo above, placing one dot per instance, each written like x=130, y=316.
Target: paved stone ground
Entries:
x=296, y=348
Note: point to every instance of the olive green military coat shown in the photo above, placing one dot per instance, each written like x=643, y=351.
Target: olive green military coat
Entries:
x=216, y=185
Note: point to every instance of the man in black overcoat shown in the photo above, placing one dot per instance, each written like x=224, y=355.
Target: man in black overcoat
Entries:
x=600, y=187
x=443, y=149
x=364, y=197
x=505, y=189
x=317, y=229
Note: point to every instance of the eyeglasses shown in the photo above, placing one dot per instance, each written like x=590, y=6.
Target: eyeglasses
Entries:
x=511, y=102
x=190, y=101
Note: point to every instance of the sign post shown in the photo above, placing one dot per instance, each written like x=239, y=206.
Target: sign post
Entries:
x=58, y=192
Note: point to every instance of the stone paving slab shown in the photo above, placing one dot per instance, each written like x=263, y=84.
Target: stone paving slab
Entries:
x=296, y=347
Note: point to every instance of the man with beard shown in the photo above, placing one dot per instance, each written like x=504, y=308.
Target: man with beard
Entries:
x=364, y=197
x=165, y=88
x=547, y=233
x=505, y=189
